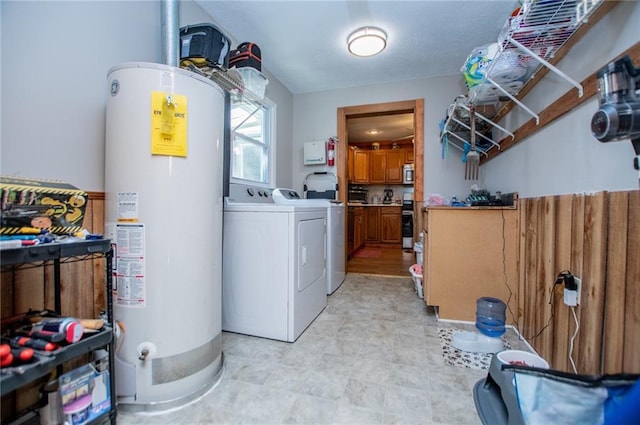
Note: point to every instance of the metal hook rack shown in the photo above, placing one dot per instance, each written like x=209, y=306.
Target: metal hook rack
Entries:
x=456, y=126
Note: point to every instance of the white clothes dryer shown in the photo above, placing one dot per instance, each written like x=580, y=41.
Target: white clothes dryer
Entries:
x=336, y=258
x=274, y=274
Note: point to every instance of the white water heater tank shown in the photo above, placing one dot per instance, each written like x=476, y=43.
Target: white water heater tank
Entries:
x=163, y=213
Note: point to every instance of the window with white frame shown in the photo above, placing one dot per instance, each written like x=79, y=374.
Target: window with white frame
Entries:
x=251, y=142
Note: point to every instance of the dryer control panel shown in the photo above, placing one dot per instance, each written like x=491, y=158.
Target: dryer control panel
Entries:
x=285, y=196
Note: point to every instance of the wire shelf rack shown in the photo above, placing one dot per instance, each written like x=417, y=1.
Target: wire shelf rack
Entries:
x=528, y=40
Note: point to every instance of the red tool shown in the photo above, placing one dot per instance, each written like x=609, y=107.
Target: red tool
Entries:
x=22, y=354
x=4, y=350
x=6, y=360
x=15, y=355
x=23, y=341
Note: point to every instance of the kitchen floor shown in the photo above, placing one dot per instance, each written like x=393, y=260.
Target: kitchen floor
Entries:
x=373, y=356
x=391, y=262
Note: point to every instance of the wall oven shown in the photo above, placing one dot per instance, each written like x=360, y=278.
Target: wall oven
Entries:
x=407, y=220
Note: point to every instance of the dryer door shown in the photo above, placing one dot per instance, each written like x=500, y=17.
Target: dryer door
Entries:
x=311, y=250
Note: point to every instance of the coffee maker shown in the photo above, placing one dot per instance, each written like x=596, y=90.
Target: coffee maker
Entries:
x=388, y=196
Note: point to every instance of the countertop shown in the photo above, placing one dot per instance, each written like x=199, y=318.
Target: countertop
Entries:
x=446, y=207
x=360, y=204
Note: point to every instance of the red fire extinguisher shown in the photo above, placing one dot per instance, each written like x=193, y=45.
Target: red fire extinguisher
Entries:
x=331, y=152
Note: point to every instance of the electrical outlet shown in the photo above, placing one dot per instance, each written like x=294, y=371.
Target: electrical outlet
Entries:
x=572, y=296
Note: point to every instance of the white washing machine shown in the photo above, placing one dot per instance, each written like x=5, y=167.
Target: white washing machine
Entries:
x=274, y=275
x=336, y=260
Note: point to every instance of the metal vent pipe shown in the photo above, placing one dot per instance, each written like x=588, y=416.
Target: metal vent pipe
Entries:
x=170, y=32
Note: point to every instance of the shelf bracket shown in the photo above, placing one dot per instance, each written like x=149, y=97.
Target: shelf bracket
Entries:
x=548, y=65
x=455, y=146
x=487, y=120
x=516, y=101
x=488, y=139
x=465, y=141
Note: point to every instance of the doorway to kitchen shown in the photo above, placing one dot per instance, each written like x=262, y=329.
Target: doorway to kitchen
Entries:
x=381, y=176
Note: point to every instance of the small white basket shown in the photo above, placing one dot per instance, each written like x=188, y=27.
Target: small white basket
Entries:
x=417, y=280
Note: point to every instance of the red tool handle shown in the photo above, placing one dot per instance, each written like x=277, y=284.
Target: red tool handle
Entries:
x=5, y=349
x=22, y=354
x=24, y=341
x=6, y=360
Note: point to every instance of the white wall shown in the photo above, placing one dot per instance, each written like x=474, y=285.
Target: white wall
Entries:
x=315, y=119
x=55, y=59
x=564, y=157
x=56, y=55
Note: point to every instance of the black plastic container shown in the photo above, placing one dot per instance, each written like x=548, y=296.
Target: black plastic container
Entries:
x=205, y=45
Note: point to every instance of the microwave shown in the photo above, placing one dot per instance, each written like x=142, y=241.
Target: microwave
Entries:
x=358, y=194
x=407, y=174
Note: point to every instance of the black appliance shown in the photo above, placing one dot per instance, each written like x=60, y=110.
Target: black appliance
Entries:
x=407, y=221
x=388, y=196
x=358, y=194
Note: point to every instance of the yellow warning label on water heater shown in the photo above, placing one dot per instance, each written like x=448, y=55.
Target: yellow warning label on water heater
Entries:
x=168, y=124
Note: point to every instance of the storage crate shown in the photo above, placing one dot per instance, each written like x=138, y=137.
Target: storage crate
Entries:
x=254, y=81
x=46, y=204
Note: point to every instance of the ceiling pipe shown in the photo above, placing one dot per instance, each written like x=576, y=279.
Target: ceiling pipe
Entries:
x=170, y=32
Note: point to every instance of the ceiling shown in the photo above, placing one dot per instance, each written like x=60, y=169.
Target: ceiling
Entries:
x=303, y=44
x=398, y=127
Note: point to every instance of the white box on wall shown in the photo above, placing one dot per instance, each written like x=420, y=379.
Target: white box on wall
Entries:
x=315, y=153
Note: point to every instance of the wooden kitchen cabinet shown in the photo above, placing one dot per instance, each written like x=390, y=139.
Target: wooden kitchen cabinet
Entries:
x=382, y=225
x=470, y=253
x=356, y=222
x=372, y=228
x=408, y=155
x=378, y=167
x=382, y=166
x=360, y=166
x=391, y=225
x=350, y=164
x=394, y=164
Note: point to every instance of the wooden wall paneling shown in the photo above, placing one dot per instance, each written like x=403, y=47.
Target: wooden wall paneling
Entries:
x=614, y=309
x=7, y=308
x=49, y=286
x=591, y=309
x=72, y=294
x=522, y=213
x=562, y=259
x=577, y=246
x=99, y=277
x=631, y=358
x=29, y=289
x=545, y=273
x=530, y=288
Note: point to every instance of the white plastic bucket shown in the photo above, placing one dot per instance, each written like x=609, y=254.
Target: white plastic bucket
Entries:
x=522, y=358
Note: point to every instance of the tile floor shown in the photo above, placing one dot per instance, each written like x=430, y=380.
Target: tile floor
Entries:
x=371, y=357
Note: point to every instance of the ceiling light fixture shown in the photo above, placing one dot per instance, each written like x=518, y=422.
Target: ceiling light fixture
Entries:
x=367, y=41
x=373, y=131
